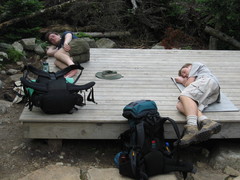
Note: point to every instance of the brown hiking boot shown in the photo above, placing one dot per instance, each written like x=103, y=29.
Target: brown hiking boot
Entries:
x=189, y=135
x=208, y=128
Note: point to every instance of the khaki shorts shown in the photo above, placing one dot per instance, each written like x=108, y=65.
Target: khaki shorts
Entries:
x=204, y=91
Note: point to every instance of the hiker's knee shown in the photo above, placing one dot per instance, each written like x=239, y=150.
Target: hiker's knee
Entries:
x=179, y=106
x=58, y=54
x=61, y=53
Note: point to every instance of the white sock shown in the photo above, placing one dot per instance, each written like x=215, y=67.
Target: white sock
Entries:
x=192, y=120
x=201, y=118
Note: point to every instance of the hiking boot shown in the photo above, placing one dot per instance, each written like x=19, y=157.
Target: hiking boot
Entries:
x=189, y=135
x=208, y=128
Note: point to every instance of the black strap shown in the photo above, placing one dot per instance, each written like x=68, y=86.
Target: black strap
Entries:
x=174, y=126
x=29, y=98
x=91, y=96
x=68, y=69
x=140, y=134
x=74, y=87
x=133, y=160
x=34, y=85
x=36, y=71
x=142, y=171
x=81, y=70
x=178, y=138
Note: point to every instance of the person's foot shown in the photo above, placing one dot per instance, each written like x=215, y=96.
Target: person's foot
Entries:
x=189, y=137
x=207, y=129
x=71, y=73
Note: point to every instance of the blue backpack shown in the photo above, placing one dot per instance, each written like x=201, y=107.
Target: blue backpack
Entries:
x=145, y=152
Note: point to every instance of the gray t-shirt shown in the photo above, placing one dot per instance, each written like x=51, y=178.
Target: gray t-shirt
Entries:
x=200, y=70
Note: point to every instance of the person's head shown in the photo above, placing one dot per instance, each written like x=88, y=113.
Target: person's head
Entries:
x=185, y=69
x=53, y=38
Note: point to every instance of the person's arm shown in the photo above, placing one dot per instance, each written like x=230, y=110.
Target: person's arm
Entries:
x=68, y=38
x=184, y=81
x=189, y=81
x=181, y=80
x=51, y=50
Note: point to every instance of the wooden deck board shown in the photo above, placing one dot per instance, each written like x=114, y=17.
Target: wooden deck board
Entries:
x=147, y=75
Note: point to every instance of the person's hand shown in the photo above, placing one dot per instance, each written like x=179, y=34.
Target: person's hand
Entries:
x=66, y=47
x=180, y=79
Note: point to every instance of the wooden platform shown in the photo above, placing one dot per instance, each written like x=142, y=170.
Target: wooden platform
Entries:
x=146, y=76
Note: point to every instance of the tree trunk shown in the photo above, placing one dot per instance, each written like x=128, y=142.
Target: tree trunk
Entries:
x=16, y=20
x=212, y=43
x=220, y=35
x=106, y=34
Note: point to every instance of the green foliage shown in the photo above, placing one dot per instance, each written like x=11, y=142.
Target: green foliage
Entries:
x=19, y=31
x=24, y=29
x=221, y=11
x=14, y=55
x=82, y=35
x=20, y=8
x=193, y=15
x=43, y=44
x=223, y=15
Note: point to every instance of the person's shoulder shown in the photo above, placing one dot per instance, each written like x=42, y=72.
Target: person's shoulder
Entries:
x=67, y=32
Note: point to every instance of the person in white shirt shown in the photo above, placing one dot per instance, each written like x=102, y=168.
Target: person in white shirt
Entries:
x=201, y=89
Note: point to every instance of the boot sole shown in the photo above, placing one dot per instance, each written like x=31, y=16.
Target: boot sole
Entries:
x=184, y=144
x=204, y=135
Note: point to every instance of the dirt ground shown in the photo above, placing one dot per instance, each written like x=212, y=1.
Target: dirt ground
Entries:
x=21, y=156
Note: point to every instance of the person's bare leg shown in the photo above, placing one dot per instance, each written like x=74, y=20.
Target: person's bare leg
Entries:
x=64, y=60
x=180, y=108
x=60, y=64
x=64, y=57
x=189, y=108
x=192, y=134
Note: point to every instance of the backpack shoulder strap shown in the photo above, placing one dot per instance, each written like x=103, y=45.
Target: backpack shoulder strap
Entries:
x=68, y=69
x=36, y=71
x=174, y=126
x=37, y=86
x=74, y=87
x=140, y=134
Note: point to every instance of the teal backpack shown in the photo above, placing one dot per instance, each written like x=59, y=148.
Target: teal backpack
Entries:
x=145, y=152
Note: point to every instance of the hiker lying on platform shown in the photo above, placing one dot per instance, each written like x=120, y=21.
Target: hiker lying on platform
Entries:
x=201, y=89
x=60, y=48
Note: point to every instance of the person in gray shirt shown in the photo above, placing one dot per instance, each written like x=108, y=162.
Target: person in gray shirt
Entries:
x=201, y=89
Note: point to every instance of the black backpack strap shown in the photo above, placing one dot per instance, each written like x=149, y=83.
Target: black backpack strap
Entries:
x=91, y=96
x=68, y=69
x=73, y=87
x=174, y=126
x=142, y=172
x=76, y=88
x=29, y=98
x=36, y=71
x=140, y=134
x=133, y=160
x=81, y=70
x=34, y=85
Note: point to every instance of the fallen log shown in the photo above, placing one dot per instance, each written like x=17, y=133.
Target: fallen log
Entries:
x=16, y=20
x=222, y=36
x=106, y=34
